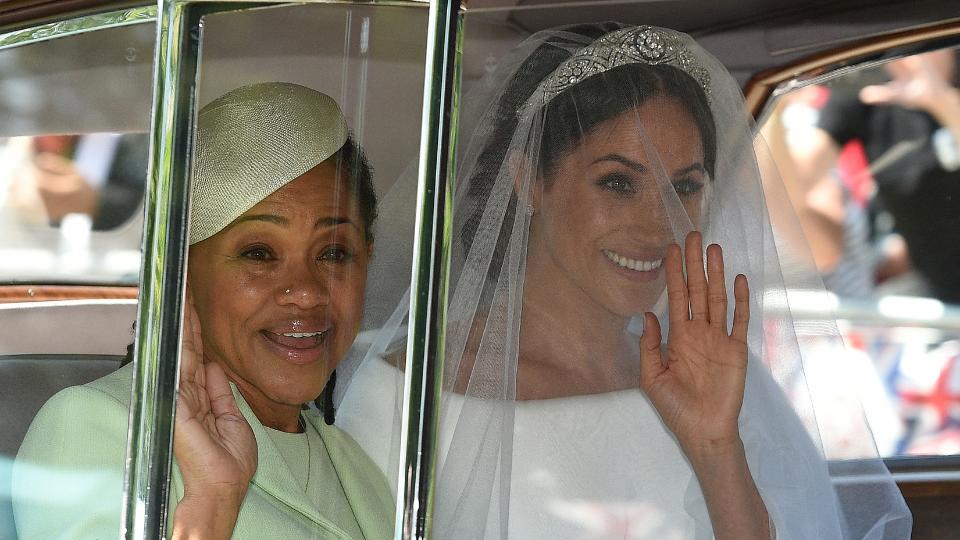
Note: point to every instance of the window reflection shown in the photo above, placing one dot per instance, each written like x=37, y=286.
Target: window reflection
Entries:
x=871, y=161
x=58, y=192
x=73, y=156
x=98, y=175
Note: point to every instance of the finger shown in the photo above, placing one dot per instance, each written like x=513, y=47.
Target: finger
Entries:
x=904, y=69
x=696, y=280
x=651, y=364
x=879, y=94
x=194, y=328
x=221, y=397
x=191, y=346
x=716, y=288
x=679, y=309
x=741, y=310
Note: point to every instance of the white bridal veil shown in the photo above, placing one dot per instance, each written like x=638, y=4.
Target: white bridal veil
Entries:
x=528, y=455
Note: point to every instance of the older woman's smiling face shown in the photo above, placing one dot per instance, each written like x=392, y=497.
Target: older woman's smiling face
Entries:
x=603, y=216
x=279, y=292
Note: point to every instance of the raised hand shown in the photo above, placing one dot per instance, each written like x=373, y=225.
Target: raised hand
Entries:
x=213, y=443
x=916, y=84
x=697, y=383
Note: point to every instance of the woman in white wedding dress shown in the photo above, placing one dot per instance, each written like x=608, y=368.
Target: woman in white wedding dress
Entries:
x=593, y=388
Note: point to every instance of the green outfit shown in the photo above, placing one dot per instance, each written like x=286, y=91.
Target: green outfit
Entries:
x=67, y=479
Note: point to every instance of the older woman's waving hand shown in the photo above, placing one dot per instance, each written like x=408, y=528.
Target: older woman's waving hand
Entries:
x=214, y=445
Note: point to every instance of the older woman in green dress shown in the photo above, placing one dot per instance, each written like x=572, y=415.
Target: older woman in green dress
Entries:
x=280, y=240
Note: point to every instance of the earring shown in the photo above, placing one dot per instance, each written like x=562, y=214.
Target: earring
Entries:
x=530, y=210
x=287, y=291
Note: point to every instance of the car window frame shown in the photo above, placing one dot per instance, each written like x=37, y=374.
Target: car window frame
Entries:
x=179, y=31
x=72, y=25
x=164, y=246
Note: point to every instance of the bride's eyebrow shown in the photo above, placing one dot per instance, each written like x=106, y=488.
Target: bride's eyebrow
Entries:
x=642, y=169
x=696, y=167
x=639, y=167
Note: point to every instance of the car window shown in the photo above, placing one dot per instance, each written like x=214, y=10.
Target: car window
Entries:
x=370, y=61
x=75, y=109
x=871, y=161
x=73, y=157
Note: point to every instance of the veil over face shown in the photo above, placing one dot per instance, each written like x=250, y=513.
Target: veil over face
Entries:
x=586, y=152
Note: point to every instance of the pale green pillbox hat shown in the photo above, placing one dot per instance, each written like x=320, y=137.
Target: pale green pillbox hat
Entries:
x=252, y=141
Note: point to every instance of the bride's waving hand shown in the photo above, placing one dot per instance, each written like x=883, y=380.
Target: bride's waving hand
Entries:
x=697, y=383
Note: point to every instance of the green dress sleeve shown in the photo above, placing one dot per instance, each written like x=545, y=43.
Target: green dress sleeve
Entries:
x=68, y=475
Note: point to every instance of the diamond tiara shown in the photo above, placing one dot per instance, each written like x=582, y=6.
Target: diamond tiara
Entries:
x=637, y=45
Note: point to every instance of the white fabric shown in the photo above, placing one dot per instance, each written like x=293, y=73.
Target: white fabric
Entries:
x=604, y=466
x=600, y=464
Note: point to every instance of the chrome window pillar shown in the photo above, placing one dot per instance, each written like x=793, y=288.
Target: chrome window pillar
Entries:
x=162, y=276
x=431, y=258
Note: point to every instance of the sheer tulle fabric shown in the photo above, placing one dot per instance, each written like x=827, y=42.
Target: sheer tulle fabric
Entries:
x=601, y=465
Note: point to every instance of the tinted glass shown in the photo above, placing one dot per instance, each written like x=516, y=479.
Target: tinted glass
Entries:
x=871, y=161
x=72, y=172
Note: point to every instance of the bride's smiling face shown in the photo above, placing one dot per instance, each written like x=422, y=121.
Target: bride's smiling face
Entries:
x=602, y=219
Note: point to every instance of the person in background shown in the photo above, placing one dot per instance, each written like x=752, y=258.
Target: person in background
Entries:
x=101, y=175
x=909, y=127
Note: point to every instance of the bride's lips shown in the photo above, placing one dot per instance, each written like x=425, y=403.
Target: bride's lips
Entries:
x=639, y=267
x=303, y=346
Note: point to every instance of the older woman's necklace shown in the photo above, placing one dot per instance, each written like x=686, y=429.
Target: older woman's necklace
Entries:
x=302, y=424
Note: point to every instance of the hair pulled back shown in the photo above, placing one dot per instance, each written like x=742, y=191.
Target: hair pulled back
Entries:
x=572, y=114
